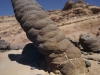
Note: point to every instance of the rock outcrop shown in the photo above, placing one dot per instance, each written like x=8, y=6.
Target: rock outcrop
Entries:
x=60, y=53
x=77, y=18
x=89, y=44
x=81, y=8
x=4, y=45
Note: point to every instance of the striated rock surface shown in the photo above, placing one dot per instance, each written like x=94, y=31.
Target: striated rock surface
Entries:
x=60, y=53
x=89, y=44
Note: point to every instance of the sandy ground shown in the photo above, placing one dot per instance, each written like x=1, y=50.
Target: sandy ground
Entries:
x=95, y=63
x=8, y=67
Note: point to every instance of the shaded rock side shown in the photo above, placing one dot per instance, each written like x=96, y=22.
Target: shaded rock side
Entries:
x=59, y=52
x=31, y=53
x=89, y=44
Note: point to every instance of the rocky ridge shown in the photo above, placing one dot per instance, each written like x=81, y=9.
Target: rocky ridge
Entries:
x=77, y=18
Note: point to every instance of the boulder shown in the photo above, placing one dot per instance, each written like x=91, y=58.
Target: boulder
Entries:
x=4, y=45
x=89, y=44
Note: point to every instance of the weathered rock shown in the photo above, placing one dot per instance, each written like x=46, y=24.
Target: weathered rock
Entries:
x=59, y=52
x=88, y=64
x=85, y=53
x=90, y=44
x=89, y=58
x=90, y=53
x=4, y=45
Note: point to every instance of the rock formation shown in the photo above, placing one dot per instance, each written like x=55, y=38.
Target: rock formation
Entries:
x=89, y=44
x=4, y=45
x=80, y=8
x=78, y=5
x=77, y=18
x=60, y=53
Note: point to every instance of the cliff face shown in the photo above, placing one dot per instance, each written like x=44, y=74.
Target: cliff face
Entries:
x=61, y=55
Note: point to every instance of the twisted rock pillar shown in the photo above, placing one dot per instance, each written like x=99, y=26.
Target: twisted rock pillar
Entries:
x=59, y=52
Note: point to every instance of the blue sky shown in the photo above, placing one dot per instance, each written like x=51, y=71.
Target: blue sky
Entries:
x=6, y=7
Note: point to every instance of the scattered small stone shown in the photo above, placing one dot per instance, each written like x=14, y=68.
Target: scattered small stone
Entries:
x=32, y=68
x=99, y=63
x=88, y=64
x=85, y=53
x=51, y=73
x=57, y=72
x=96, y=59
x=90, y=53
x=82, y=52
x=89, y=58
x=38, y=74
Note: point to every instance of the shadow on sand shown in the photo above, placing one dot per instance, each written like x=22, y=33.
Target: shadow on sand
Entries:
x=31, y=57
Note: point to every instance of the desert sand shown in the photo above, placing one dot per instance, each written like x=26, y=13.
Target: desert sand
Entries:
x=12, y=67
